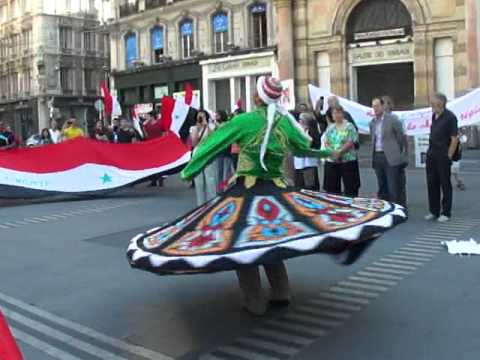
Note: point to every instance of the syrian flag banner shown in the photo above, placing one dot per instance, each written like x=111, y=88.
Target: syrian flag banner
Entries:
x=84, y=166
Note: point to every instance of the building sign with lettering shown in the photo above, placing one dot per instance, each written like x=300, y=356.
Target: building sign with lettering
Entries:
x=380, y=34
x=381, y=54
x=244, y=65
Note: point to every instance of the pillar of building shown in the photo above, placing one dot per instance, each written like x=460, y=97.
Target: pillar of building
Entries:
x=283, y=9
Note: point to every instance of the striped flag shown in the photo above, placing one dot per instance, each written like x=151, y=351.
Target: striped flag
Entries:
x=85, y=166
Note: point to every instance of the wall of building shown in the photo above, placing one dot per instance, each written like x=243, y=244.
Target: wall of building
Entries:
x=321, y=29
x=170, y=17
x=43, y=57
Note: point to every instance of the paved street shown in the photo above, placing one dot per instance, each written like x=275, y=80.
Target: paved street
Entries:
x=68, y=292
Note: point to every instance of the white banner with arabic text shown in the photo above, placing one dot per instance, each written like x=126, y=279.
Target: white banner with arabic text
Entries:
x=416, y=122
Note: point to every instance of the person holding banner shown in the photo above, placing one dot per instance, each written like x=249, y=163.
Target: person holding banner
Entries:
x=442, y=147
x=342, y=166
x=389, y=153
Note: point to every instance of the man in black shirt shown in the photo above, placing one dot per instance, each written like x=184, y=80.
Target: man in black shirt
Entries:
x=7, y=138
x=126, y=134
x=443, y=143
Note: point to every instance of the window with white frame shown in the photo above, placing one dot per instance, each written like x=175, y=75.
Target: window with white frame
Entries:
x=157, y=42
x=220, y=31
x=186, y=37
x=258, y=13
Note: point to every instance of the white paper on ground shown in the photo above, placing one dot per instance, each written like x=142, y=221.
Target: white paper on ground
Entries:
x=455, y=247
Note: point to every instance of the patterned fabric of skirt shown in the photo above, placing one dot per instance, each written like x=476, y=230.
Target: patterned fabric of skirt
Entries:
x=264, y=224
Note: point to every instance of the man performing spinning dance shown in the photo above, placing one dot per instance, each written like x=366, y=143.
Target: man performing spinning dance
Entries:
x=260, y=220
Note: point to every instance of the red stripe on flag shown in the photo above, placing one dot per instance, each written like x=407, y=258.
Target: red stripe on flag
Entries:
x=71, y=154
x=9, y=349
x=188, y=94
x=168, y=104
x=107, y=98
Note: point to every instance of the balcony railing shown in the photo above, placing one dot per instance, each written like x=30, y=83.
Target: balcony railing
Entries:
x=129, y=8
x=152, y=4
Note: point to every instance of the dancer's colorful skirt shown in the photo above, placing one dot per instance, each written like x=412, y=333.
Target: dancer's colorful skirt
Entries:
x=263, y=224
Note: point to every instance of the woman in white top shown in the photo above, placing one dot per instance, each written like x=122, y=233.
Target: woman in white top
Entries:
x=306, y=168
x=55, y=132
x=207, y=181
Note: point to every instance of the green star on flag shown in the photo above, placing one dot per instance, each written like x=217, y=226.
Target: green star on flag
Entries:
x=106, y=179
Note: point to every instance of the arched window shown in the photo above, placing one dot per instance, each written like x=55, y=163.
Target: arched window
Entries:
x=157, y=41
x=220, y=31
x=258, y=13
x=130, y=49
x=186, y=38
x=377, y=20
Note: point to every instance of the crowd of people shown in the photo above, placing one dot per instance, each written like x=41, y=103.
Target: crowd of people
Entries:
x=328, y=125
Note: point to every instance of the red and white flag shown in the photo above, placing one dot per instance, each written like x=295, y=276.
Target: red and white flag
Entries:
x=174, y=113
x=83, y=165
x=107, y=98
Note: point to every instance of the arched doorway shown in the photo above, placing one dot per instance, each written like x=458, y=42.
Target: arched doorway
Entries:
x=380, y=52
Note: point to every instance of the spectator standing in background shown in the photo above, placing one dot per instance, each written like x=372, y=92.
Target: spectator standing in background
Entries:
x=100, y=132
x=342, y=166
x=306, y=168
x=7, y=137
x=206, y=183
x=55, y=132
x=225, y=165
x=46, y=137
x=113, y=130
x=390, y=156
x=126, y=133
x=442, y=147
x=71, y=130
x=152, y=127
x=402, y=197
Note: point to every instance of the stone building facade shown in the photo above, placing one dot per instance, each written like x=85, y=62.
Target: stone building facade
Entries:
x=219, y=47
x=52, y=57
x=362, y=48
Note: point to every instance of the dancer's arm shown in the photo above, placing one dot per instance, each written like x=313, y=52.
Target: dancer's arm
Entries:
x=299, y=143
x=211, y=147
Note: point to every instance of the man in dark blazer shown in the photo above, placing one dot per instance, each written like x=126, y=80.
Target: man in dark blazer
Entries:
x=390, y=153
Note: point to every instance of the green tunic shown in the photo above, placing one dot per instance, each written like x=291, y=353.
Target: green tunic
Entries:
x=248, y=131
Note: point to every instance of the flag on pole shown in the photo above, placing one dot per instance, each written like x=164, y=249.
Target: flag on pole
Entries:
x=107, y=98
x=188, y=94
x=116, y=108
x=137, y=125
x=174, y=113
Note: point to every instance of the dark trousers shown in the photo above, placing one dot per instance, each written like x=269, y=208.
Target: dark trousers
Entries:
x=391, y=180
x=336, y=173
x=438, y=182
x=307, y=178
